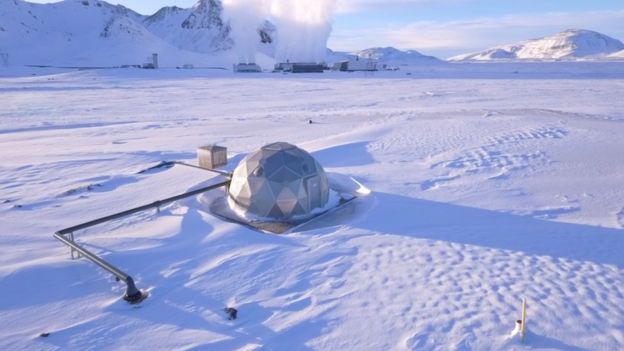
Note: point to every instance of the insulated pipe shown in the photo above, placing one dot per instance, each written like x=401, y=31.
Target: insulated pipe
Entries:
x=141, y=208
x=133, y=295
x=223, y=173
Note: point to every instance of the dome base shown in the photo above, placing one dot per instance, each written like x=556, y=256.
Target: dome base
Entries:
x=342, y=193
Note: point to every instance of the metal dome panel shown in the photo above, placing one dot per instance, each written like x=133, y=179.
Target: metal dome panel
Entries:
x=280, y=182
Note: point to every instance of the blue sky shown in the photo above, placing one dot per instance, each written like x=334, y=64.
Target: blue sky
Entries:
x=447, y=27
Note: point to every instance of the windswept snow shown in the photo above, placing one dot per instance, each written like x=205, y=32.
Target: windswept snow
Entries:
x=504, y=182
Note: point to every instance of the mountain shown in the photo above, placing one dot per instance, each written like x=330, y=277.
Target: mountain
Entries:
x=387, y=55
x=198, y=29
x=332, y=56
x=40, y=34
x=617, y=55
x=94, y=32
x=393, y=56
x=571, y=44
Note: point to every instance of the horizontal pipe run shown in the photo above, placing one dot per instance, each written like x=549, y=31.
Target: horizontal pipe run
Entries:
x=141, y=208
x=223, y=173
x=93, y=257
x=132, y=295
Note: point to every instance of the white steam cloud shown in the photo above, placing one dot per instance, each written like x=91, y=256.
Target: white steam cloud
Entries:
x=245, y=17
x=303, y=27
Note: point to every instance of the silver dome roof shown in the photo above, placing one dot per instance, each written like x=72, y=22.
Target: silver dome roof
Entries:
x=280, y=182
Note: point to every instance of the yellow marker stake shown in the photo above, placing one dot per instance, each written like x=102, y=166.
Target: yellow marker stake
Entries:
x=523, y=325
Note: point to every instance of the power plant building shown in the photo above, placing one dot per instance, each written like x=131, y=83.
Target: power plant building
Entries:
x=356, y=64
x=246, y=68
x=300, y=67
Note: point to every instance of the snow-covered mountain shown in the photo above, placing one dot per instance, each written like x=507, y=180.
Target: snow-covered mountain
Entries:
x=571, y=44
x=387, y=55
x=199, y=29
x=395, y=56
x=617, y=55
x=94, y=32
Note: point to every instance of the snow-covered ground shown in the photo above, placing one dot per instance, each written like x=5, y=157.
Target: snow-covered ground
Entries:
x=489, y=184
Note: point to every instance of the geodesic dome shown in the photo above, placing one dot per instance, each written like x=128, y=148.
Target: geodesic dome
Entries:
x=280, y=181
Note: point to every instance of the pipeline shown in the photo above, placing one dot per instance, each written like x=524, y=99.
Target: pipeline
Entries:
x=132, y=295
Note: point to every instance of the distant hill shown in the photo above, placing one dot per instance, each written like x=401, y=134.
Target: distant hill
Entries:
x=390, y=55
x=387, y=55
x=617, y=55
x=572, y=44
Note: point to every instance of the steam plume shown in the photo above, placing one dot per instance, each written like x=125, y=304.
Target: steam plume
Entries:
x=303, y=27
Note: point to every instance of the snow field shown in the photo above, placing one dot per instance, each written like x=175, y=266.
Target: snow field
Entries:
x=483, y=191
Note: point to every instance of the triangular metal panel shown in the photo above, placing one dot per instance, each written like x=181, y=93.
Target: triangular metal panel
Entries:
x=283, y=181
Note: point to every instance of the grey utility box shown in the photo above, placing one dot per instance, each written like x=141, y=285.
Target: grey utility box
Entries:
x=212, y=156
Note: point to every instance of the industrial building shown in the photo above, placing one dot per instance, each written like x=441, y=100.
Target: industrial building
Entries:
x=356, y=64
x=300, y=67
x=246, y=68
x=152, y=62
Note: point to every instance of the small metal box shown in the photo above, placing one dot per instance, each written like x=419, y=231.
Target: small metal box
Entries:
x=212, y=156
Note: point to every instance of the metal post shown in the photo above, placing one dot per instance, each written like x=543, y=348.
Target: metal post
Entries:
x=132, y=295
x=523, y=330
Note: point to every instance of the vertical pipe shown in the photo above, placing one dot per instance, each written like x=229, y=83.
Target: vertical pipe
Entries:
x=132, y=295
x=523, y=326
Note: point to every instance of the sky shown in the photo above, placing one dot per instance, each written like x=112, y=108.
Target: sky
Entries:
x=445, y=28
